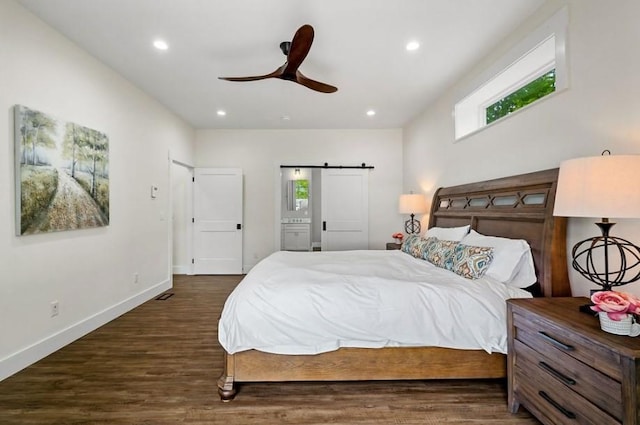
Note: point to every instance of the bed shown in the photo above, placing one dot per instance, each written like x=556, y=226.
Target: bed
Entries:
x=516, y=207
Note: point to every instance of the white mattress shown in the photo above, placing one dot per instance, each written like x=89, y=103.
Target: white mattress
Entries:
x=314, y=302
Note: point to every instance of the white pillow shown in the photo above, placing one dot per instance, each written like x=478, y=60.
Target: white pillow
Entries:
x=525, y=275
x=448, y=233
x=512, y=260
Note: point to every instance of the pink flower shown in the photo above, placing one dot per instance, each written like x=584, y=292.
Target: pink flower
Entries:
x=634, y=302
x=616, y=304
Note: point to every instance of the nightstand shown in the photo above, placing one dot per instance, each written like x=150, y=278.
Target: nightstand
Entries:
x=565, y=370
x=393, y=245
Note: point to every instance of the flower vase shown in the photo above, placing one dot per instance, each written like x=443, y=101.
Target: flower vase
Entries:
x=626, y=326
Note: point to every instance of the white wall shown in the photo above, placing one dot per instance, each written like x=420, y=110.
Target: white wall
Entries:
x=260, y=152
x=599, y=111
x=89, y=272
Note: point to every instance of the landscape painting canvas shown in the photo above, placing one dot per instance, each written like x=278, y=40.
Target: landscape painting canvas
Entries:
x=62, y=174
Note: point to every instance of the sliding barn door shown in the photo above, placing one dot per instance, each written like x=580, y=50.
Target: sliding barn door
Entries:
x=218, y=226
x=345, y=209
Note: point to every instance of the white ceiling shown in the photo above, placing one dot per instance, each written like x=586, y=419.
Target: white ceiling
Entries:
x=359, y=47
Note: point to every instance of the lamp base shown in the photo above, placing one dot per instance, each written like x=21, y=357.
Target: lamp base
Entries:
x=412, y=225
x=586, y=256
x=586, y=308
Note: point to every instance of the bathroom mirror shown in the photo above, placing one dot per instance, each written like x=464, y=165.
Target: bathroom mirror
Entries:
x=298, y=195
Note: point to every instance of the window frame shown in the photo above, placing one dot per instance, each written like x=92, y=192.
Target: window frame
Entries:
x=470, y=117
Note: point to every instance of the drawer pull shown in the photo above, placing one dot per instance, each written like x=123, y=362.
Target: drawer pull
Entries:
x=569, y=414
x=556, y=342
x=565, y=379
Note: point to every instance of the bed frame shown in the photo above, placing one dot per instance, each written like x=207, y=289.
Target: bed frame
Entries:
x=518, y=207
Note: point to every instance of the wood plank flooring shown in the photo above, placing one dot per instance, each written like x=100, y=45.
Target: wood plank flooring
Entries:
x=158, y=364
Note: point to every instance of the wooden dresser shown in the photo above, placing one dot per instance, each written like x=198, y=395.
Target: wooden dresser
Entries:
x=565, y=370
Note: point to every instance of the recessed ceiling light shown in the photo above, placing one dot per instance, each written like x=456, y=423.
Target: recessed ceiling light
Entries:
x=160, y=44
x=371, y=112
x=285, y=118
x=412, y=45
x=221, y=113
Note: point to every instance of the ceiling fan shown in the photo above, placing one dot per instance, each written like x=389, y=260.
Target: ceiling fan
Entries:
x=296, y=51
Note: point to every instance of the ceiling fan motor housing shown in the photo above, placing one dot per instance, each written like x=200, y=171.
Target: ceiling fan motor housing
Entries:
x=285, y=46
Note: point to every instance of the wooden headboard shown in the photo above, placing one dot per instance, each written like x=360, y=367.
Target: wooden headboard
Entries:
x=517, y=207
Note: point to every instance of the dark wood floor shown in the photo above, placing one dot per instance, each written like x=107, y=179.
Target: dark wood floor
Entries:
x=158, y=364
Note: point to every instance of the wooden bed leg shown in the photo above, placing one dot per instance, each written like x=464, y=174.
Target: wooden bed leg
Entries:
x=226, y=388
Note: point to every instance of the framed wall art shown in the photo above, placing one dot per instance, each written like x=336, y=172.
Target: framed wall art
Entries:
x=62, y=174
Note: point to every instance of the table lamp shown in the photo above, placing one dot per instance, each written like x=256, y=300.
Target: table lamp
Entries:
x=606, y=186
x=412, y=203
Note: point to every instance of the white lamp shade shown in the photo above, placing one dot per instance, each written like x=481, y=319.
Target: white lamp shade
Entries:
x=412, y=203
x=605, y=186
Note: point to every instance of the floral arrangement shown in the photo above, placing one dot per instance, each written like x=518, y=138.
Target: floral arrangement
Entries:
x=617, y=305
x=398, y=236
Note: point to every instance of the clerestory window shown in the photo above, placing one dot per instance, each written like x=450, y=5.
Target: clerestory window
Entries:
x=532, y=70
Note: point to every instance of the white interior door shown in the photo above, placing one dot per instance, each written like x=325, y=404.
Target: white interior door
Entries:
x=218, y=225
x=345, y=209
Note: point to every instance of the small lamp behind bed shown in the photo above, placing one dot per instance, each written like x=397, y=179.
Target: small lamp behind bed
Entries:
x=412, y=203
x=603, y=186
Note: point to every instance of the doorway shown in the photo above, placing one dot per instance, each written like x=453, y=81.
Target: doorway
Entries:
x=322, y=208
x=181, y=214
x=206, y=220
x=218, y=221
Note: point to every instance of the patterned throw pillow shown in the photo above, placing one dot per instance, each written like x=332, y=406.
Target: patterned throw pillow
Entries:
x=415, y=245
x=467, y=261
x=429, y=246
x=440, y=253
x=471, y=261
x=409, y=243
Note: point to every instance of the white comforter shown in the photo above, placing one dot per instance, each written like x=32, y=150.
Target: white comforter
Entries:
x=313, y=302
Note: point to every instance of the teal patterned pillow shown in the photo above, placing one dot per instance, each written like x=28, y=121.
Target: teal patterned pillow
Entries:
x=409, y=243
x=440, y=253
x=471, y=261
x=415, y=245
x=430, y=245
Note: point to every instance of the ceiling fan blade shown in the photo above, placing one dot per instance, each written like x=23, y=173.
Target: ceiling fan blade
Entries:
x=296, y=51
x=299, y=48
x=256, y=78
x=275, y=74
x=313, y=84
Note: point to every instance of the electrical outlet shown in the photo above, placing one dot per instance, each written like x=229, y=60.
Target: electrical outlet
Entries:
x=55, y=308
x=136, y=278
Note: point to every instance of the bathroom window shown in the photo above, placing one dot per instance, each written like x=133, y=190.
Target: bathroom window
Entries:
x=301, y=194
x=297, y=195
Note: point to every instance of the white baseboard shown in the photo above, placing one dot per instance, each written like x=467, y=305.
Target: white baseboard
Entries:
x=41, y=349
x=246, y=268
x=181, y=269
